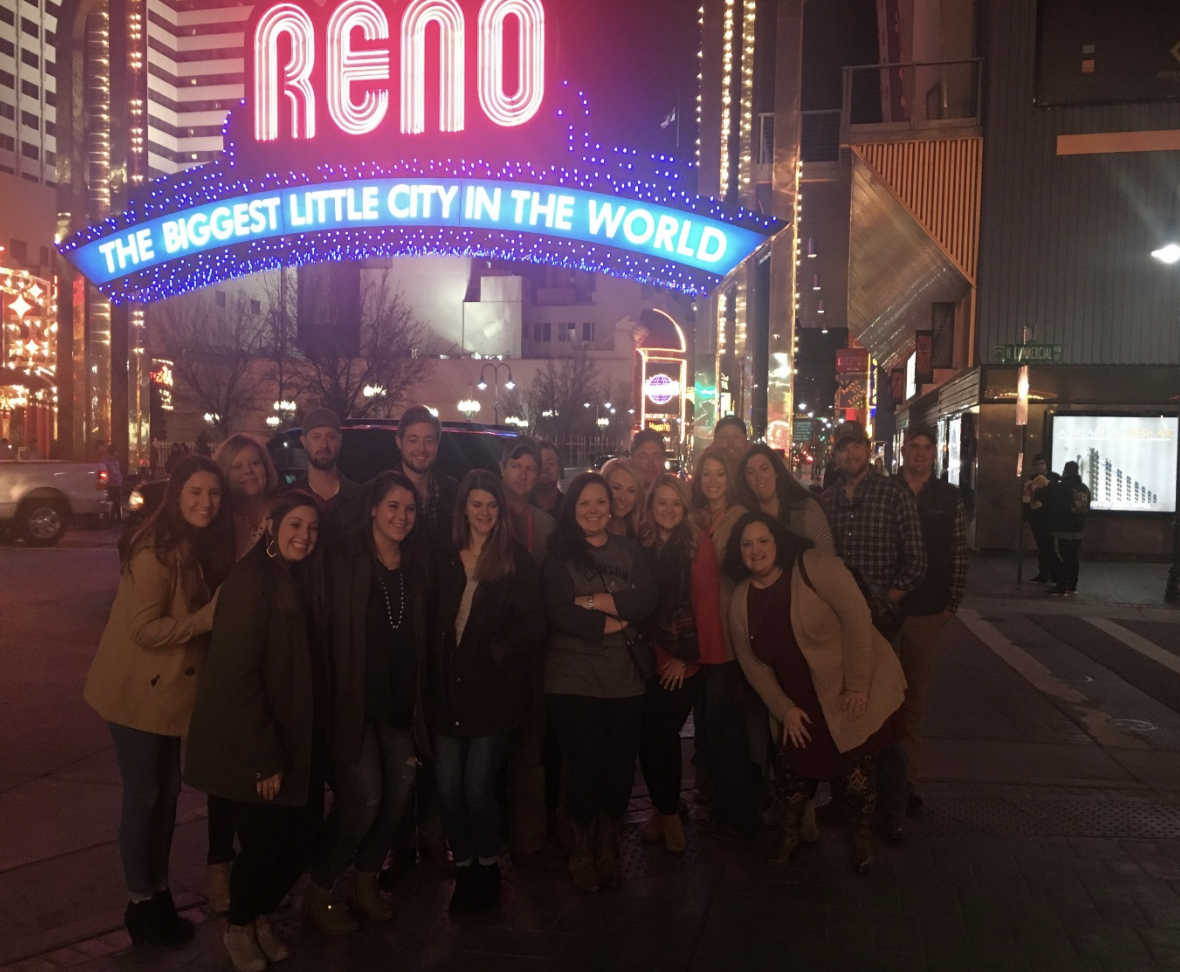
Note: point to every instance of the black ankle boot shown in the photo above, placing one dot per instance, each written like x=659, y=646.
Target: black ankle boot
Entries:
x=487, y=886
x=167, y=927
x=138, y=918
x=465, y=897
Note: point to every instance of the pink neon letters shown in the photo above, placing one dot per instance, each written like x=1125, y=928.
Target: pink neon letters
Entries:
x=346, y=66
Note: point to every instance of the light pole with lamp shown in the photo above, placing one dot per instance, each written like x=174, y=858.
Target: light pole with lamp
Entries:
x=483, y=385
x=1171, y=254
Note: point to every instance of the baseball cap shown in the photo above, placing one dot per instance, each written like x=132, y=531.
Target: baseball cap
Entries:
x=849, y=432
x=318, y=418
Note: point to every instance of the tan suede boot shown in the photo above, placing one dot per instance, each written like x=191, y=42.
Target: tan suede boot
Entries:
x=327, y=916
x=808, y=830
x=673, y=833
x=244, y=951
x=369, y=899
x=791, y=824
x=273, y=947
x=581, y=859
x=219, y=888
x=653, y=829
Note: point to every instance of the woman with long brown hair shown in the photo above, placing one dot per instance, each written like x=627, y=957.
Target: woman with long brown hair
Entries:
x=491, y=621
x=766, y=485
x=143, y=680
x=685, y=631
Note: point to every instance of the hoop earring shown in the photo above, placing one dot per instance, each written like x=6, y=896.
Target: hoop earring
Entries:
x=272, y=549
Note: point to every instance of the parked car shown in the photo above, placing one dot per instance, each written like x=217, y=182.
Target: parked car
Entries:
x=39, y=497
x=369, y=447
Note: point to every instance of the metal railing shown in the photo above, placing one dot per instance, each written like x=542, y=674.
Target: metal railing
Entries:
x=933, y=94
x=820, y=136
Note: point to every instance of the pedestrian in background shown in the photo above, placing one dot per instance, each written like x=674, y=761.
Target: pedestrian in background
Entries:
x=547, y=494
x=377, y=587
x=1067, y=503
x=114, y=483
x=733, y=808
x=766, y=484
x=878, y=536
x=628, y=499
x=930, y=606
x=144, y=677
x=1037, y=518
x=685, y=632
x=491, y=621
x=259, y=734
x=832, y=684
x=598, y=587
x=252, y=484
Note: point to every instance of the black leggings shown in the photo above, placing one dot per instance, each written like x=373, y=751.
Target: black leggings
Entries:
x=221, y=832
x=599, y=739
x=660, y=757
x=277, y=843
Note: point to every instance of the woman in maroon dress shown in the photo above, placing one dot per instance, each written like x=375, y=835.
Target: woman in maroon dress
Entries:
x=806, y=642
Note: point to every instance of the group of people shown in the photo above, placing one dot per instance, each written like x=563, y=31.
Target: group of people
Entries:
x=1055, y=508
x=434, y=652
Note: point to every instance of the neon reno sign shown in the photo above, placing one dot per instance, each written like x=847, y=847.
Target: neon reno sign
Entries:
x=357, y=79
x=703, y=243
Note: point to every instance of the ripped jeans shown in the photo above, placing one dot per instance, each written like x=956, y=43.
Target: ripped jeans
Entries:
x=369, y=801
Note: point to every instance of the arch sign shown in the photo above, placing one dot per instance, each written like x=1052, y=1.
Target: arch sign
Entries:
x=365, y=135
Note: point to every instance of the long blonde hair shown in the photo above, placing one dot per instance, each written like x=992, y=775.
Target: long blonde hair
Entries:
x=692, y=528
x=635, y=522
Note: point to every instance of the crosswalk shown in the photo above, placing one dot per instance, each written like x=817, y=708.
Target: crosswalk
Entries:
x=1149, y=649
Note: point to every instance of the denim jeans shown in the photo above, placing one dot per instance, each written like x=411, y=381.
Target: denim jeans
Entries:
x=150, y=767
x=467, y=771
x=369, y=800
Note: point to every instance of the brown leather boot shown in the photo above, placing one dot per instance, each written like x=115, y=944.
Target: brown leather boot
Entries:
x=862, y=842
x=791, y=825
x=326, y=915
x=673, y=833
x=653, y=828
x=369, y=899
x=606, y=850
x=219, y=888
x=581, y=857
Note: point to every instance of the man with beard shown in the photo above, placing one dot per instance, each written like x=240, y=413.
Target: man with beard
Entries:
x=418, y=436
x=878, y=535
x=730, y=434
x=339, y=496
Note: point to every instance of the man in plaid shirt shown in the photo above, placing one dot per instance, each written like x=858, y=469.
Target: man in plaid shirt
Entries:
x=932, y=604
x=875, y=524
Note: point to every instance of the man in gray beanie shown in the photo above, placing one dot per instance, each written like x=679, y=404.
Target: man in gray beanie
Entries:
x=339, y=496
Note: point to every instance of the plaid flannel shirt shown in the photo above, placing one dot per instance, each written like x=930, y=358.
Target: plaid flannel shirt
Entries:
x=877, y=532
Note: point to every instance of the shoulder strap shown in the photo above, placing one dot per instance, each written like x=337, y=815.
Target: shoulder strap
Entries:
x=803, y=571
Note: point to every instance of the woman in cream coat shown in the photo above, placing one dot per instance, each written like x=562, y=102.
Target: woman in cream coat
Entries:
x=806, y=642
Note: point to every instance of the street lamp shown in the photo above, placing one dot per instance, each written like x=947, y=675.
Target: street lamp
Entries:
x=469, y=406
x=483, y=384
x=1171, y=254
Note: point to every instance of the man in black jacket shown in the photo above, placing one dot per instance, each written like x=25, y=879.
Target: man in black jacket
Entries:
x=419, y=433
x=930, y=606
x=1067, y=502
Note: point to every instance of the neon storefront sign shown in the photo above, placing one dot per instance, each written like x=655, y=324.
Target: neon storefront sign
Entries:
x=661, y=389
x=338, y=154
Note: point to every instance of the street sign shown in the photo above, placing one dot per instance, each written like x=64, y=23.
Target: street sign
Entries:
x=803, y=429
x=1028, y=354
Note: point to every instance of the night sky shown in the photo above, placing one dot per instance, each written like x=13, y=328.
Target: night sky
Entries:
x=633, y=58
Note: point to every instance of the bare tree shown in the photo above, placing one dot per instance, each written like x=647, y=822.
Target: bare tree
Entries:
x=212, y=342
x=555, y=401
x=391, y=357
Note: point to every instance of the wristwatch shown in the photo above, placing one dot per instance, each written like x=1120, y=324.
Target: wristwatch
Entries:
x=590, y=603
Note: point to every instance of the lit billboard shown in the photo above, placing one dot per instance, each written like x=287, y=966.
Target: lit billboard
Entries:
x=1129, y=462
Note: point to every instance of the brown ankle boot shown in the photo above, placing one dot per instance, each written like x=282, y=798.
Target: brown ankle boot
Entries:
x=862, y=842
x=581, y=857
x=791, y=825
x=326, y=915
x=606, y=850
x=219, y=888
x=673, y=833
x=369, y=898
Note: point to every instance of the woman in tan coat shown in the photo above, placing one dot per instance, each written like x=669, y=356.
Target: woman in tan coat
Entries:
x=143, y=680
x=805, y=639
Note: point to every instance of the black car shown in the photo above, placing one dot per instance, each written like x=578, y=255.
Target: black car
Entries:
x=369, y=447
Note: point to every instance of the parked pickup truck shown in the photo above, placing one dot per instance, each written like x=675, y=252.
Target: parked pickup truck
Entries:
x=38, y=498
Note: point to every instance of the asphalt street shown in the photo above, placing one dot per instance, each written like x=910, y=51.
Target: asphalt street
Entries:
x=1050, y=837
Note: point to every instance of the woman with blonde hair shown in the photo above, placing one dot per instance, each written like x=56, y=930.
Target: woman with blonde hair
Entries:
x=627, y=499
x=722, y=721
x=253, y=486
x=490, y=625
x=685, y=632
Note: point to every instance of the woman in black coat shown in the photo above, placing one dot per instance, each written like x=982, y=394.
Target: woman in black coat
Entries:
x=258, y=737
x=491, y=620
x=378, y=639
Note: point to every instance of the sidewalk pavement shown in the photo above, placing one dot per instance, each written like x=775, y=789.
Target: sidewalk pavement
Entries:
x=1050, y=837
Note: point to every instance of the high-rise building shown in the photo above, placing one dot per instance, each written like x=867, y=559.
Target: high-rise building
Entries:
x=28, y=89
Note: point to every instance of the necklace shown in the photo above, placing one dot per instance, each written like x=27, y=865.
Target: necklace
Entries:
x=401, y=611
